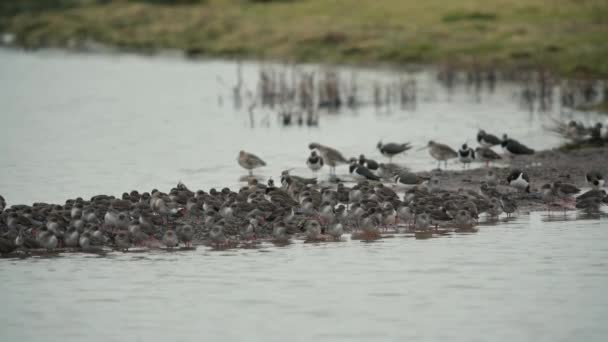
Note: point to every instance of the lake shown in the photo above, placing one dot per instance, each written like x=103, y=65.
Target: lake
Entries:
x=83, y=124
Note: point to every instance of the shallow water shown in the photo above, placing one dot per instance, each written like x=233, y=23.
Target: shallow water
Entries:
x=80, y=125
x=516, y=281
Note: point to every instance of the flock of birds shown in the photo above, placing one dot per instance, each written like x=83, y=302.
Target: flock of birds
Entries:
x=298, y=208
x=579, y=133
x=369, y=169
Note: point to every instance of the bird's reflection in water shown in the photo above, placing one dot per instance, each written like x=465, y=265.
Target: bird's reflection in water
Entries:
x=561, y=216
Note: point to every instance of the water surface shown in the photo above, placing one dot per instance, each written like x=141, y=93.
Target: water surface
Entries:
x=80, y=125
x=519, y=281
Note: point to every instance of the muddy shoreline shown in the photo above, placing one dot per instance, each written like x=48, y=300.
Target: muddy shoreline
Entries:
x=542, y=167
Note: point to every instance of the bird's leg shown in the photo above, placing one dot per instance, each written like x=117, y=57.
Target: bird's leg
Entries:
x=250, y=173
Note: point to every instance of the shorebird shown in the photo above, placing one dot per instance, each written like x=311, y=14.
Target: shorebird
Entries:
x=389, y=171
x=514, y=147
x=70, y=238
x=466, y=155
x=434, y=184
x=594, y=179
x=591, y=204
x=368, y=163
x=369, y=225
x=404, y=213
x=216, y=234
x=559, y=193
x=314, y=162
x=285, y=177
x=463, y=220
x=122, y=241
x=330, y=156
x=495, y=208
x=548, y=195
x=336, y=230
x=326, y=213
x=76, y=211
x=170, y=239
x=409, y=178
x=279, y=233
x=423, y=221
x=392, y=149
x=489, y=191
x=592, y=193
x=249, y=161
x=487, y=155
x=185, y=234
x=47, y=239
x=565, y=191
x=509, y=206
x=440, y=152
x=247, y=232
x=313, y=230
x=519, y=180
x=84, y=241
x=491, y=178
x=362, y=171
x=487, y=140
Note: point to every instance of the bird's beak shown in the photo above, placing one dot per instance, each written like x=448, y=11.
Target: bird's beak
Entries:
x=422, y=148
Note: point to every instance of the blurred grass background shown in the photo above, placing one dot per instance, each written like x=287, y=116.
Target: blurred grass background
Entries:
x=568, y=36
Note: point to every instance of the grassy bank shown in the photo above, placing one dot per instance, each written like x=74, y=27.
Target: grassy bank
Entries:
x=565, y=35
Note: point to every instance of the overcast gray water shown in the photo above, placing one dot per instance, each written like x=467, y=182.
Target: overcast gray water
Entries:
x=525, y=280
x=80, y=125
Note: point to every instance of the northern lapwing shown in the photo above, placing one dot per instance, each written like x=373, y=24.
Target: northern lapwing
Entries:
x=466, y=155
x=487, y=140
x=362, y=171
x=519, y=180
x=331, y=156
x=368, y=163
x=514, y=147
x=594, y=179
x=392, y=149
x=314, y=162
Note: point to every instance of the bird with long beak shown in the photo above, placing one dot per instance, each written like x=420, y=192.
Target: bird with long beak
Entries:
x=440, y=152
x=331, y=156
x=250, y=161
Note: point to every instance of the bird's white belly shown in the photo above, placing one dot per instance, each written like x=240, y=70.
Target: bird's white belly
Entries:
x=519, y=183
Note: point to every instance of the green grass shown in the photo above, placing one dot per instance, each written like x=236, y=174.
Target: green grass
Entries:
x=567, y=36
